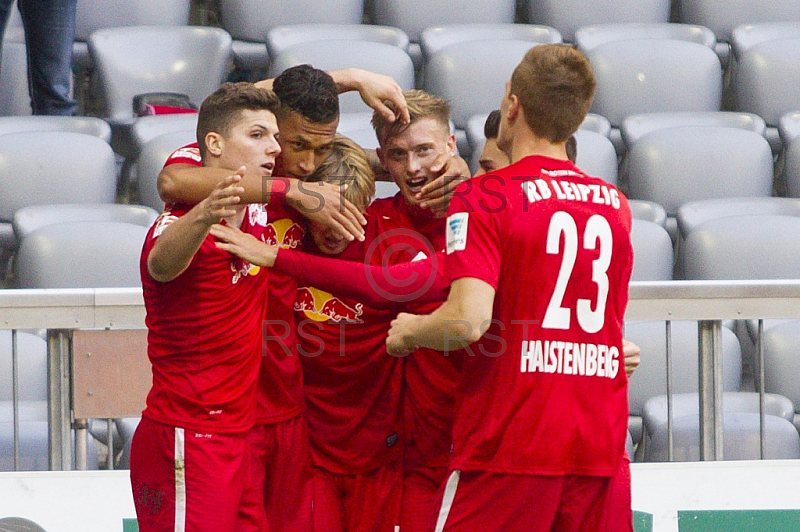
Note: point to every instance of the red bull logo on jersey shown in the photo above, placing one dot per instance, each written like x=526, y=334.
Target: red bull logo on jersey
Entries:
x=242, y=268
x=284, y=233
x=319, y=305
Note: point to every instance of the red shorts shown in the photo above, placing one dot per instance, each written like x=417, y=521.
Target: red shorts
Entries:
x=620, y=512
x=281, y=477
x=369, y=502
x=422, y=488
x=183, y=479
x=474, y=500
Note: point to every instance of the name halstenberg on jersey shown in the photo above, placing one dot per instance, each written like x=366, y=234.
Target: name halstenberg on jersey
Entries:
x=569, y=358
x=542, y=189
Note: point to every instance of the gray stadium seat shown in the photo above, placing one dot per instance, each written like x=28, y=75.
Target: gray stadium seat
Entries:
x=743, y=247
x=472, y=76
x=14, y=97
x=691, y=215
x=413, y=16
x=87, y=125
x=29, y=219
x=674, y=166
x=151, y=160
x=746, y=36
x=722, y=16
x=782, y=363
x=649, y=211
x=93, y=15
x=249, y=22
x=639, y=76
x=741, y=439
x=789, y=126
x=48, y=159
x=282, y=37
x=589, y=37
x=592, y=123
x=567, y=17
x=652, y=252
x=636, y=126
x=688, y=404
x=434, y=39
x=767, y=81
x=76, y=255
x=792, y=159
x=650, y=378
x=137, y=60
x=358, y=128
x=596, y=155
x=335, y=55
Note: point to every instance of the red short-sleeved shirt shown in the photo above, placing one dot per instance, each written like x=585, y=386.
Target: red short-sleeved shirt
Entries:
x=548, y=397
x=203, y=334
x=280, y=390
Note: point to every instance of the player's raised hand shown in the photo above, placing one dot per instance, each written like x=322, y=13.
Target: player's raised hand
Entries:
x=219, y=203
x=244, y=245
x=451, y=171
x=400, y=342
x=323, y=203
x=376, y=89
x=632, y=354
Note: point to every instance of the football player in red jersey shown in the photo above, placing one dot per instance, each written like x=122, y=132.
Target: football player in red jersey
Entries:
x=540, y=258
x=189, y=455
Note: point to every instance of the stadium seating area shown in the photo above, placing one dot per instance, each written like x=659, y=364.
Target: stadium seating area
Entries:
x=696, y=117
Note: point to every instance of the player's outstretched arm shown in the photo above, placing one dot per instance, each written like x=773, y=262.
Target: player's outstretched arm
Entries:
x=392, y=287
x=375, y=89
x=459, y=322
x=189, y=184
x=176, y=246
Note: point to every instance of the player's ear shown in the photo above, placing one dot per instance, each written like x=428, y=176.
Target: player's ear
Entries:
x=513, y=107
x=451, y=144
x=214, y=143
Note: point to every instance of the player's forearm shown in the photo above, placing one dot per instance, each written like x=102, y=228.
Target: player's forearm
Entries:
x=390, y=288
x=446, y=329
x=176, y=247
x=189, y=184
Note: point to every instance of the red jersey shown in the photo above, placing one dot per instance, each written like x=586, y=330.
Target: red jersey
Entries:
x=280, y=389
x=544, y=391
x=353, y=387
x=203, y=334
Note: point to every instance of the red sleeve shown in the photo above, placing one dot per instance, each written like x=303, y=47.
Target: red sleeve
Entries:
x=392, y=287
x=189, y=154
x=473, y=239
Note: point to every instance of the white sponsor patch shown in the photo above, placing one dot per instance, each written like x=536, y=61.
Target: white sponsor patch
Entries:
x=187, y=153
x=258, y=214
x=457, y=232
x=163, y=222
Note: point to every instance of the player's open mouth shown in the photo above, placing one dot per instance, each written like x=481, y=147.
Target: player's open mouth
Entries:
x=268, y=167
x=416, y=184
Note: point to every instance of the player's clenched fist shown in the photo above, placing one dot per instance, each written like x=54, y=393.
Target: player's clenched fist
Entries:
x=397, y=343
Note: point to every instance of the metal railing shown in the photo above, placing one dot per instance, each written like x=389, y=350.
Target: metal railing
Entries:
x=61, y=312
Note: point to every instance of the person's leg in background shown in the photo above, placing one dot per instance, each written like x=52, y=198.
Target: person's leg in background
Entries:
x=49, y=34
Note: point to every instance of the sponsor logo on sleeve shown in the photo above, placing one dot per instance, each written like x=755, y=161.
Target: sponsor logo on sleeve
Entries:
x=187, y=153
x=457, y=232
x=163, y=222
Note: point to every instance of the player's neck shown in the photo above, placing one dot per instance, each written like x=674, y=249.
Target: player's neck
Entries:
x=525, y=144
x=236, y=219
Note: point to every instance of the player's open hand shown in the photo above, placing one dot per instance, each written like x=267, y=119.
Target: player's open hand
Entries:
x=400, y=341
x=219, y=203
x=436, y=195
x=632, y=354
x=244, y=245
x=324, y=203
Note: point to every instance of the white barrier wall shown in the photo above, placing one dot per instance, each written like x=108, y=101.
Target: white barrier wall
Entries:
x=98, y=501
